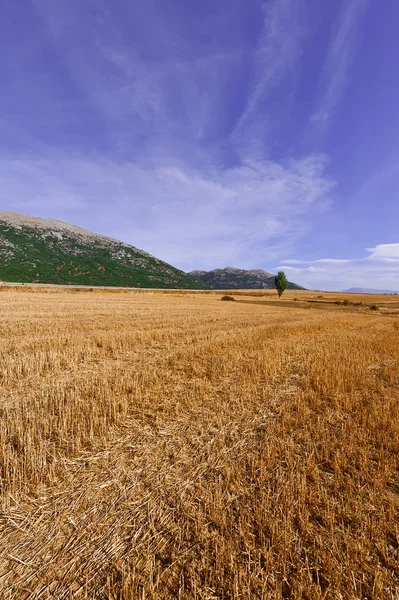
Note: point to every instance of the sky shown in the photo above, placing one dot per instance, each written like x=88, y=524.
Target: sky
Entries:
x=248, y=133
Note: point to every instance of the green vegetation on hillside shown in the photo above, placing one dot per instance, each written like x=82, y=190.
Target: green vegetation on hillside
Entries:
x=34, y=255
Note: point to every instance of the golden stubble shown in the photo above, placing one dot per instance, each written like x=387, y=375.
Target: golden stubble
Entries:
x=175, y=446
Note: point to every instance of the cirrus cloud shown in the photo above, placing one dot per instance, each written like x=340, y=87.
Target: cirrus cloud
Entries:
x=190, y=218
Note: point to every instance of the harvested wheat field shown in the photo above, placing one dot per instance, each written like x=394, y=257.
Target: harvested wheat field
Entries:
x=162, y=446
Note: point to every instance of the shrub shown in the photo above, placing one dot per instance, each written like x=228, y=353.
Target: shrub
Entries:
x=228, y=298
x=374, y=307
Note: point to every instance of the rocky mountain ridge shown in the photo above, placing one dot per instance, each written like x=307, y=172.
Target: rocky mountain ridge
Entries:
x=231, y=278
x=39, y=250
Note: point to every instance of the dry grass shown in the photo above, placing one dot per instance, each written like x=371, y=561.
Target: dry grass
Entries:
x=162, y=446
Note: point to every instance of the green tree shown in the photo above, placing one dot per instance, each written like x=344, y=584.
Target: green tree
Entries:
x=281, y=282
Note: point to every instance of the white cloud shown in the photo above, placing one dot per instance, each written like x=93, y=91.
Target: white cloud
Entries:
x=153, y=102
x=169, y=195
x=143, y=97
x=338, y=63
x=187, y=217
x=384, y=251
x=379, y=270
x=278, y=50
x=320, y=261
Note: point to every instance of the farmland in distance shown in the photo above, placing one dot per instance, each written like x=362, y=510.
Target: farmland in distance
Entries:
x=169, y=445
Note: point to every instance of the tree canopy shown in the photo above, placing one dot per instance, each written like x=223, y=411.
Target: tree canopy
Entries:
x=281, y=283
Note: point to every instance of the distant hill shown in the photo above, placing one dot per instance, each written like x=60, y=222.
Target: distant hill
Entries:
x=359, y=290
x=232, y=278
x=36, y=250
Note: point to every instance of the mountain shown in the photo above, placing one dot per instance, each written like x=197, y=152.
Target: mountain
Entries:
x=359, y=290
x=36, y=250
x=232, y=278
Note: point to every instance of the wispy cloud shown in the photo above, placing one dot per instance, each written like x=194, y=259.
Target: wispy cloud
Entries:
x=162, y=177
x=379, y=269
x=338, y=63
x=244, y=215
x=278, y=49
x=157, y=91
x=152, y=125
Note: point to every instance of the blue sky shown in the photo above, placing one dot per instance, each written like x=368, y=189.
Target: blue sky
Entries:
x=237, y=132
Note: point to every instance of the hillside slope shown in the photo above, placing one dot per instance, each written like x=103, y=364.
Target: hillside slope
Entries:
x=41, y=250
x=232, y=278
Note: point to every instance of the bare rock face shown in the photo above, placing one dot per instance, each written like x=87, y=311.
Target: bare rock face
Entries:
x=34, y=249
x=231, y=278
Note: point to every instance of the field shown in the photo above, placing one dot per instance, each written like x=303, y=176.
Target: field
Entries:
x=173, y=446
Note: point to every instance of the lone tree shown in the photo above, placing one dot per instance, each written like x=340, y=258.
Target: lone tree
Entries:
x=281, y=283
